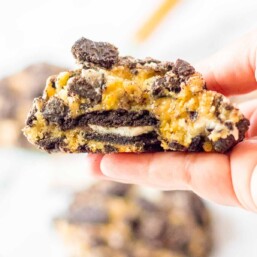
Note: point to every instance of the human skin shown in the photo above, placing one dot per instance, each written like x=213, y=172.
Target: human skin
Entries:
x=228, y=179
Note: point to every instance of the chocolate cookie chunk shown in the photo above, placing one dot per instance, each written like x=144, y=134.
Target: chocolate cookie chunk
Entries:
x=100, y=53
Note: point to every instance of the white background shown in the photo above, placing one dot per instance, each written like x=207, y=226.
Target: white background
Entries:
x=33, y=187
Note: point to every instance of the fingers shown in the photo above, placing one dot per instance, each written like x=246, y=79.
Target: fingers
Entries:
x=243, y=173
x=233, y=69
x=249, y=109
x=206, y=174
x=224, y=179
x=93, y=164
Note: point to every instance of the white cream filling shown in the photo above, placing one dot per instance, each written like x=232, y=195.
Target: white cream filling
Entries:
x=219, y=129
x=122, y=131
x=235, y=133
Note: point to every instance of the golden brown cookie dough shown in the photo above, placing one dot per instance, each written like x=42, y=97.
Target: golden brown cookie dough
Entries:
x=112, y=219
x=16, y=93
x=122, y=104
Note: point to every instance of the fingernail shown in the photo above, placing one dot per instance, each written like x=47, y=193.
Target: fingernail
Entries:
x=254, y=186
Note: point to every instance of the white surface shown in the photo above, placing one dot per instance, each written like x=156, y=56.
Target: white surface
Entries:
x=33, y=30
x=34, y=190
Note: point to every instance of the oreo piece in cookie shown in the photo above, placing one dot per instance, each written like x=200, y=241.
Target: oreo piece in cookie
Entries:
x=99, y=53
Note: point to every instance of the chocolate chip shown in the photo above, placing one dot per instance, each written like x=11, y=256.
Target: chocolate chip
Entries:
x=53, y=81
x=242, y=127
x=88, y=214
x=110, y=149
x=81, y=87
x=217, y=101
x=183, y=68
x=99, y=53
x=196, y=145
x=224, y=144
x=169, y=83
x=193, y=115
x=51, y=144
x=228, y=107
x=229, y=125
x=175, y=146
x=55, y=110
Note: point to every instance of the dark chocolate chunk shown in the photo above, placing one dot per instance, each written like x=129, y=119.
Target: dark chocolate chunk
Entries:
x=152, y=147
x=110, y=149
x=88, y=214
x=55, y=110
x=81, y=87
x=67, y=123
x=170, y=83
x=175, y=146
x=229, y=125
x=51, y=144
x=228, y=107
x=217, y=101
x=196, y=145
x=83, y=149
x=193, y=115
x=99, y=53
x=117, y=118
x=172, y=80
x=242, y=127
x=183, y=68
x=53, y=81
x=224, y=144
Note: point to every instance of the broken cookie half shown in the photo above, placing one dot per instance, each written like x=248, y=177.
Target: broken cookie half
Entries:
x=121, y=104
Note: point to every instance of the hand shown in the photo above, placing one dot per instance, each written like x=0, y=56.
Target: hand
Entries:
x=229, y=179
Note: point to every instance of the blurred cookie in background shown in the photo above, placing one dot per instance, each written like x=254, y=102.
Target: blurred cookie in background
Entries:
x=16, y=94
x=119, y=220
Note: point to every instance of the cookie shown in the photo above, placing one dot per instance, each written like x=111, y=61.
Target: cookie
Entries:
x=16, y=93
x=122, y=104
x=112, y=219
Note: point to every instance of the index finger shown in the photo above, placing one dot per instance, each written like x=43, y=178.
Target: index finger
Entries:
x=232, y=70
